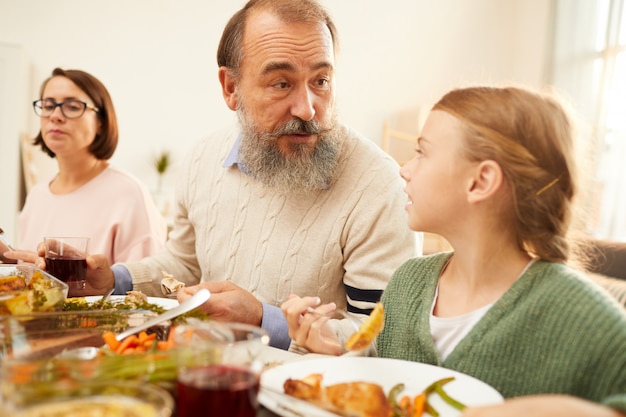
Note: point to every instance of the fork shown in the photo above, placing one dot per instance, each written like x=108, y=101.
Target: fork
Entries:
x=353, y=321
x=356, y=324
x=343, y=313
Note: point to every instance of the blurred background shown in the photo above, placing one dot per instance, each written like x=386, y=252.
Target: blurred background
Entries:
x=397, y=57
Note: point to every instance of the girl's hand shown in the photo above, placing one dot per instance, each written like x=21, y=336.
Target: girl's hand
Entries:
x=308, y=330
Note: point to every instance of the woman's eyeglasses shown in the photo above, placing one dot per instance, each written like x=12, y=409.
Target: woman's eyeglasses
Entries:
x=72, y=109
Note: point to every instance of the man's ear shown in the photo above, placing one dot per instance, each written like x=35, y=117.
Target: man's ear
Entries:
x=228, y=87
x=485, y=182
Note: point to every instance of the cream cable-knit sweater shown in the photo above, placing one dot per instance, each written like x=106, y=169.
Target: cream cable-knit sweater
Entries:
x=227, y=228
x=553, y=331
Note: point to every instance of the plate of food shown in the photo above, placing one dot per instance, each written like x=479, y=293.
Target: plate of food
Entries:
x=362, y=386
x=165, y=303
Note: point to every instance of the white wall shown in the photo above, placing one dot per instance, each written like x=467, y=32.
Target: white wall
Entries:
x=11, y=99
x=157, y=58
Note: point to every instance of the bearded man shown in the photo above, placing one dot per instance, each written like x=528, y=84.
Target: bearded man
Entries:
x=288, y=201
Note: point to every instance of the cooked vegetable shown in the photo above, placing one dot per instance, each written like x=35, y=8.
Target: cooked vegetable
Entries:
x=12, y=283
x=368, y=330
x=133, y=301
x=22, y=295
x=141, y=343
x=393, y=399
x=444, y=395
x=420, y=404
x=110, y=340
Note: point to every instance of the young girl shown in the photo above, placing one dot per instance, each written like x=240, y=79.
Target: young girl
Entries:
x=494, y=174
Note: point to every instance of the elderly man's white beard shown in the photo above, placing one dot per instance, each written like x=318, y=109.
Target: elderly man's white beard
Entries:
x=300, y=171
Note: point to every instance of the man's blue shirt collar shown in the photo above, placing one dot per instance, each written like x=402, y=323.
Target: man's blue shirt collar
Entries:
x=233, y=155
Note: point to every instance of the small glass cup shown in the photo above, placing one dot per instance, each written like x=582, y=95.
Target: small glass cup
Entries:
x=218, y=368
x=65, y=259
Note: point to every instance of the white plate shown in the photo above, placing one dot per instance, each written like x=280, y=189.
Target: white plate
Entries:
x=166, y=303
x=385, y=372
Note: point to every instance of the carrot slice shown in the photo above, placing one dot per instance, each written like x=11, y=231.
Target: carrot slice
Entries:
x=129, y=342
x=144, y=337
x=110, y=340
x=170, y=337
x=405, y=404
x=419, y=402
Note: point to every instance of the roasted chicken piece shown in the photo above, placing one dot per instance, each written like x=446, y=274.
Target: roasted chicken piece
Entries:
x=359, y=399
x=308, y=388
x=135, y=298
x=351, y=399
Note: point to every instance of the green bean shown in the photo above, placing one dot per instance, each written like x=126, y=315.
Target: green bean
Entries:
x=393, y=400
x=440, y=382
x=428, y=408
x=437, y=387
x=444, y=395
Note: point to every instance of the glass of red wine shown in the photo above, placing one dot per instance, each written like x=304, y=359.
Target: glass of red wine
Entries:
x=218, y=368
x=65, y=259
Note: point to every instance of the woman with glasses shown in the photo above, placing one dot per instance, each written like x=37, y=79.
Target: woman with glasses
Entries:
x=87, y=196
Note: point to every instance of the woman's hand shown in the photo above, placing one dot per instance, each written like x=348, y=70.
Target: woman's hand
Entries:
x=543, y=406
x=26, y=257
x=311, y=331
x=99, y=278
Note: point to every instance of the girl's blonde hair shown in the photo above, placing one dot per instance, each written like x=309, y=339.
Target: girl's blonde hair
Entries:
x=531, y=136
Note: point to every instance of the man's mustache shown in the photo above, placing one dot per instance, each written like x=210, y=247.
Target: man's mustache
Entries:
x=298, y=126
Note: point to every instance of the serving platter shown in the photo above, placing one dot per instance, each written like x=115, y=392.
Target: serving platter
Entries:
x=41, y=335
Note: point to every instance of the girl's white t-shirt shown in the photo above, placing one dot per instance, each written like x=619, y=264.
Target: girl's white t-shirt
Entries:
x=447, y=332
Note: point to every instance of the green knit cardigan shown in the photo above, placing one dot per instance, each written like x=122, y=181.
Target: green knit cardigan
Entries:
x=553, y=331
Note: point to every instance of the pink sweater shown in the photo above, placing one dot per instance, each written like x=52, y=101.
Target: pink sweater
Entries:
x=114, y=210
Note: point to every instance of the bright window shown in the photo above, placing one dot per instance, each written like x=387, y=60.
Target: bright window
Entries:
x=590, y=67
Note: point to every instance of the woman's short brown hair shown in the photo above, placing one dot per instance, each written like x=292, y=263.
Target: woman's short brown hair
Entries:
x=105, y=142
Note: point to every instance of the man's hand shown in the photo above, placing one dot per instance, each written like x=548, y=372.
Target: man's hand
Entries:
x=543, y=406
x=228, y=302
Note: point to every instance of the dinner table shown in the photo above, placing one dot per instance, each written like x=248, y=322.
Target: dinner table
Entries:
x=269, y=356
x=280, y=365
